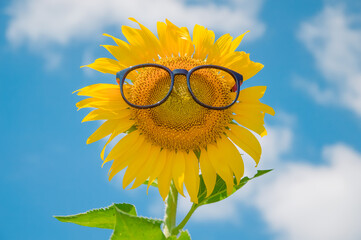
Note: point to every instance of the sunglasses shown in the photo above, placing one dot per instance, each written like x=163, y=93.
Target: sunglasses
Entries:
x=197, y=84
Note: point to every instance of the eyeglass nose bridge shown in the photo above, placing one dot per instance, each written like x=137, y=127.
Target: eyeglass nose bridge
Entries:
x=180, y=72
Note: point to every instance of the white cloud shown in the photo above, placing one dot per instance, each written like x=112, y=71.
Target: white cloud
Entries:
x=322, y=96
x=334, y=41
x=277, y=143
x=315, y=202
x=52, y=60
x=43, y=22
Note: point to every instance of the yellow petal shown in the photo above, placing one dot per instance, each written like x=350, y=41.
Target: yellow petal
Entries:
x=116, y=40
x=114, y=135
x=224, y=43
x=162, y=35
x=208, y=172
x=146, y=170
x=255, y=107
x=142, y=43
x=123, y=54
x=86, y=103
x=251, y=94
x=246, y=141
x=123, y=125
x=191, y=175
x=122, y=161
x=224, y=52
x=178, y=171
x=133, y=36
x=100, y=114
x=232, y=157
x=100, y=103
x=151, y=41
x=136, y=164
x=104, y=130
x=221, y=54
x=203, y=40
x=110, y=92
x=172, y=34
x=241, y=63
x=158, y=168
x=123, y=145
x=247, y=70
x=235, y=59
x=186, y=47
x=105, y=65
x=174, y=41
x=236, y=42
x=254, y=124
x=165, y=177
x=216, y=157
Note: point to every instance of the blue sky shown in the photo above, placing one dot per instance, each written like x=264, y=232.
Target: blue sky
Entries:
x=312, y=56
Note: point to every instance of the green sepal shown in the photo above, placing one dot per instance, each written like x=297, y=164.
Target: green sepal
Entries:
x=100, y=218
x=220, y=189
x=129, y=227
x=131, y=129
x=154, y=183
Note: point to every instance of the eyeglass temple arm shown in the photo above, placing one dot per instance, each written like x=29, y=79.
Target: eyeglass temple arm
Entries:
x=239, y=78
x=119, y=76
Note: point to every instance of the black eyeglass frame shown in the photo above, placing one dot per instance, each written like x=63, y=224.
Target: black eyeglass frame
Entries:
x=121, y=76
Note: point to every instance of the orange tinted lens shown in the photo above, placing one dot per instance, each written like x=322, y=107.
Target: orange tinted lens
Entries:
x=147, y=86
x=213, y=87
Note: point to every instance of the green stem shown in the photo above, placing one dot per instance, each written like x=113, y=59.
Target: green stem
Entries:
x=185, y=220
x=170, y=211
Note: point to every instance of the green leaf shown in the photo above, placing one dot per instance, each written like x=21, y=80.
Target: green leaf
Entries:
x=128, y=227
x=261, y=172
x=100, y=218
x=184, y=235
x=220, y=190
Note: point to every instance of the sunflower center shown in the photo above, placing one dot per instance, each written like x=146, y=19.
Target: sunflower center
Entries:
x=180, y=122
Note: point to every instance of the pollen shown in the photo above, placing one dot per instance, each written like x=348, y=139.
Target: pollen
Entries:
x=180, y=123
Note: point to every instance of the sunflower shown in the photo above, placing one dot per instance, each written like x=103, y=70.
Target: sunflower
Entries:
x=179, y=139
